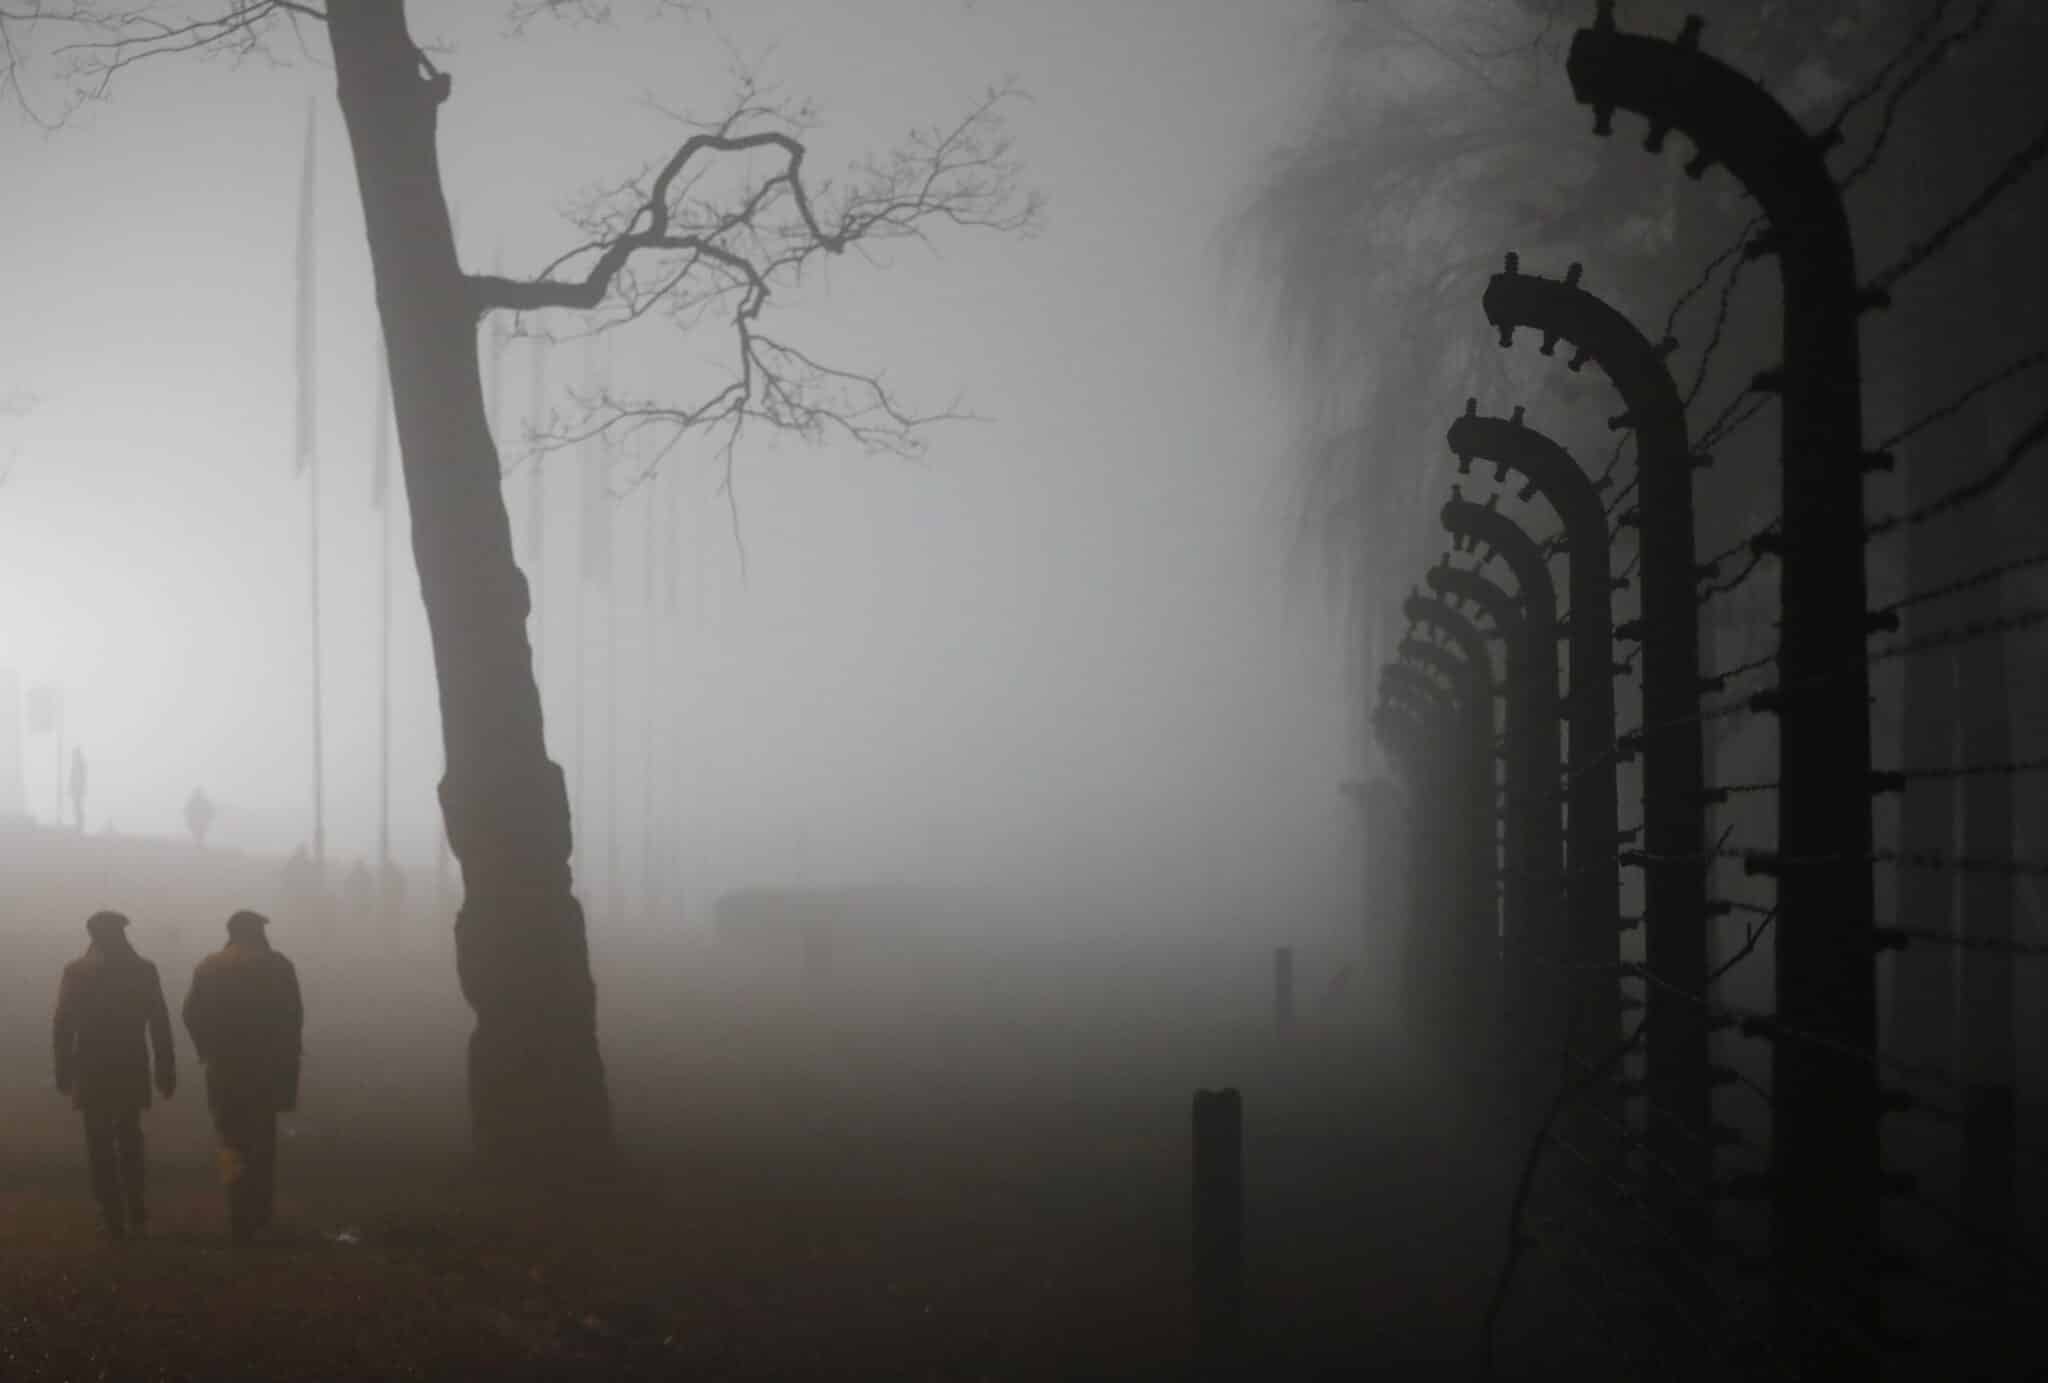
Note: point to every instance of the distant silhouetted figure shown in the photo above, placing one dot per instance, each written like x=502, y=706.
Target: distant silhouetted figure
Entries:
x=78, y=788
x=245, y=1019
x=359, y=892
x=303, y=886
x=107, y=1000
x=393, y=891
x=199, y=816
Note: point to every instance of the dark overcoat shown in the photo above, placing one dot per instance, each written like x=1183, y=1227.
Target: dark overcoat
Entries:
x=245, y=1019
x=109, y=999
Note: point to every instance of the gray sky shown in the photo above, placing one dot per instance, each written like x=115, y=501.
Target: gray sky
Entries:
x=1063, y=648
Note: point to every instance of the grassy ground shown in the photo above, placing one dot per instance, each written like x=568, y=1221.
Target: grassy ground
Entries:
x=966, y=1186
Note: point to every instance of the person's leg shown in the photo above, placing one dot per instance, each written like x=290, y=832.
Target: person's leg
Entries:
x=263, y=1165
x=230, y=1122
x=128, y=1148
x=99, y=1161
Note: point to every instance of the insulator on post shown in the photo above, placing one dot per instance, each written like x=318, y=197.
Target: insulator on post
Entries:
x=1629, y=922
x=1623, y=837
x=1549, y=346
x=1689, y=36
x=1888, y=939
x=1829, y=138
x=1718, y=907
x=1710, y=797
x=1873, y=300
x=1877, y=461
x=1632, y=859
x=1621, y=421
x=1653, y=141
x=1719, y=1075
x=1528, y=492
x=1629, y=519
x=1515, y=419
x=1770, y=701
x=1771, y=381
x=1573, y=274
x=1767, y=544
x=1764, y=862
x=1696, y=167
x=1763, y=244
x=1628, y=745
x=1883, y=782
x=1578, y=360
x=1712, y=684
x=1507, y=335
x=1630, y=630
x=1759, y=1026
x=1630, y=1005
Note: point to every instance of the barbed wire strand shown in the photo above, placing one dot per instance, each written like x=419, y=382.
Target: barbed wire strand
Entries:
x=1921, y=71
x=1925, y=250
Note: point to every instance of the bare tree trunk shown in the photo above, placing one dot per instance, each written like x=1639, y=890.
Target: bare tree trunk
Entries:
x=536, y=1079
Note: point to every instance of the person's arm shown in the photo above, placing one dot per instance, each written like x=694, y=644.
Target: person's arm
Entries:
x=294, y=1027
x=64, y=1032
x=198, y=1015
x=160, y=1040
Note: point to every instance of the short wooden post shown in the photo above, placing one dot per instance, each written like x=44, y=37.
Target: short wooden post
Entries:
x=1283, y=988
x=1219, y=1225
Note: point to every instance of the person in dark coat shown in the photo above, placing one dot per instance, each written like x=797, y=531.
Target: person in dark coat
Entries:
x=245, y=1020
x=109, y=998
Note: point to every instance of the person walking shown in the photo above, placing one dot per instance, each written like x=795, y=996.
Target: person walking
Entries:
x=245, y=1019
x=108, y=999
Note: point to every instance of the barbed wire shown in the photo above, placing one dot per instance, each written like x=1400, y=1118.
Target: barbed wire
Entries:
x=1997, y=945
x=1977, y=770
x=1968, y=632
x=1733, y=418
x=1703, y=1271
x=1923, y=251
x=1923, y=69
x=1986, y=577
x=2031, y=360
x=2017, y=451
x=1957, y=863
x=1865, y=93
x=1717, y=589
x=1713, y=267
x=1722, y=312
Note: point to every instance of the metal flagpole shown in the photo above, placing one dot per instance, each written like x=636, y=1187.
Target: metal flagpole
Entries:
x=611, y=667
x=650, y=623
x=380, y=494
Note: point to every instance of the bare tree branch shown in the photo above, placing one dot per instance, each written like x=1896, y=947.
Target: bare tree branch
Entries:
x=712, y=233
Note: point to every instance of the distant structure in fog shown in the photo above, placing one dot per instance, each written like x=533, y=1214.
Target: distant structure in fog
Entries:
x=13, y=793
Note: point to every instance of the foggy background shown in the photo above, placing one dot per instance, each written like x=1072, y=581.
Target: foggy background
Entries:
x=1067, y=656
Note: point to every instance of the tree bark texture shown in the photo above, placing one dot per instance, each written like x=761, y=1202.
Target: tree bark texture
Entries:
x=536, y=1079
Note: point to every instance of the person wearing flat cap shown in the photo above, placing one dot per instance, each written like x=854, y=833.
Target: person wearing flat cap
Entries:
x=245, y=1021
x=108, y=999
